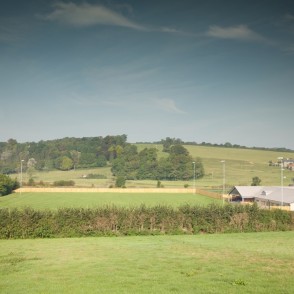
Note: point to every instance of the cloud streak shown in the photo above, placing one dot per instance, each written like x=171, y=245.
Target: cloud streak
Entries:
x=86, y=15
x=168, y=105
x=240, y=32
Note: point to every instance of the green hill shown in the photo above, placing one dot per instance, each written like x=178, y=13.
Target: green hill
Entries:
x=241, y=165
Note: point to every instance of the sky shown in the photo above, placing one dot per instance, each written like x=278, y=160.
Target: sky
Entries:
x=202, y=71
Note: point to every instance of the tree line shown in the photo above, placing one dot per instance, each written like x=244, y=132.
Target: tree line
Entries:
x=170, y=141
x=88, y=152
x=62, y=154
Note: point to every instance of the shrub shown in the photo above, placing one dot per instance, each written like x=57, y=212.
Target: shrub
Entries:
x=31, y=182
x=120, y=182
x=95, y=176
x=63, y=183
x=7, y=185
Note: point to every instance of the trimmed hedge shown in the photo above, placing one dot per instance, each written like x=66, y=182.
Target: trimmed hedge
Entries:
x=143, y=220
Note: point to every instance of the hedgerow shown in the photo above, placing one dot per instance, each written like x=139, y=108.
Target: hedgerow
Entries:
x=142, y=220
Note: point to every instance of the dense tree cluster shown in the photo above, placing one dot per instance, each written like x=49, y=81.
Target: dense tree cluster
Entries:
x=62, y=154
x=127, y=163
x=178, y=165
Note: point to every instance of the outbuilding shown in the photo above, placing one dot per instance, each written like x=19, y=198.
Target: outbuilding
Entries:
x=264, y=196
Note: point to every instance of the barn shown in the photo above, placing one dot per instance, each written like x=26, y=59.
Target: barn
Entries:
x=264, y=196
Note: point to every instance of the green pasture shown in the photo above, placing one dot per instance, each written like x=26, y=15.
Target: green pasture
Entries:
x=78, y=176
x=228, y=263
x=52, y=200
x=241, y=165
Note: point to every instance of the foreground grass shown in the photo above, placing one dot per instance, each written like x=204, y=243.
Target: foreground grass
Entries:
x=229, y=263
x=90, y=200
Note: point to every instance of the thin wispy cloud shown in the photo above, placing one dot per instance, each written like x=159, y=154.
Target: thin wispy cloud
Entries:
x=86, y=15
x=168, y=105
x=240, y=32
x=170, y=30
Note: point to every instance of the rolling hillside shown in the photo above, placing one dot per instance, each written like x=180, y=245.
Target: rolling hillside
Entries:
x=241, y=165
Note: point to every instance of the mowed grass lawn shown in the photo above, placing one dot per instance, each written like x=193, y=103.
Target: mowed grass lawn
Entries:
x=54, y=200
x=228, y=263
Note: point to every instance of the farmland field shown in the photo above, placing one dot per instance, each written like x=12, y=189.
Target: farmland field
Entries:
x=88, y=200
x=228, y=263
x=241, y=166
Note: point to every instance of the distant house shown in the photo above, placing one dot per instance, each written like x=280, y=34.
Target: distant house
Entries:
x=286, y=162
x=290, y=166
x=264, y=196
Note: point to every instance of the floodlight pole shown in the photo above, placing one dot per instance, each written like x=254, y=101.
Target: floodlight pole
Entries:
x=224, y=178
x=194, y=177
x=282, y=182
x=282, y=179
x=21, y=172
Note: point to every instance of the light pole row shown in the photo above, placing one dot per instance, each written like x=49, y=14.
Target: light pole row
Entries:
x=21, y=172
x=282, y=179
x=194, y=177
x=224, y=178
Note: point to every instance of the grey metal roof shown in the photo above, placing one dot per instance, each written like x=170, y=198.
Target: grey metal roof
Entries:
x=273, y=193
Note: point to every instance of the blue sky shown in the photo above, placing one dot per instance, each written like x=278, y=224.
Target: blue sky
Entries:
x=213, y=71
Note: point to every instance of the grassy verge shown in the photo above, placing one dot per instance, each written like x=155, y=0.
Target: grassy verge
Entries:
x=230, y=263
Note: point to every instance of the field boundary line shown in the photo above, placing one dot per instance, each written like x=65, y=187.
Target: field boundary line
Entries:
x=118, y=190
x=105, y=190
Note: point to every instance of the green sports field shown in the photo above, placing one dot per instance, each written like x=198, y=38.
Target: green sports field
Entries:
x=88, y=200
x=228, y=263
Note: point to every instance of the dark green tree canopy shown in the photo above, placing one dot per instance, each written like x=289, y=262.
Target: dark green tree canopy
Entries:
x=256, y=181
x=7, y=185
x=83, y=152
x=146, y=165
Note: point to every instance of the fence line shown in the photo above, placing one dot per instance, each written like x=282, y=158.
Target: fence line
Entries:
x=104, y=190
x=120, y=190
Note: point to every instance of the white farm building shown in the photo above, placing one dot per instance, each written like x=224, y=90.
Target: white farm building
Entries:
x=265, y=196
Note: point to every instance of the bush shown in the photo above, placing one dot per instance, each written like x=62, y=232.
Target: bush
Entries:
x=63, y=183
x=31, y=182
x=120, y=182
x=94, y=176
x=7, y=185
